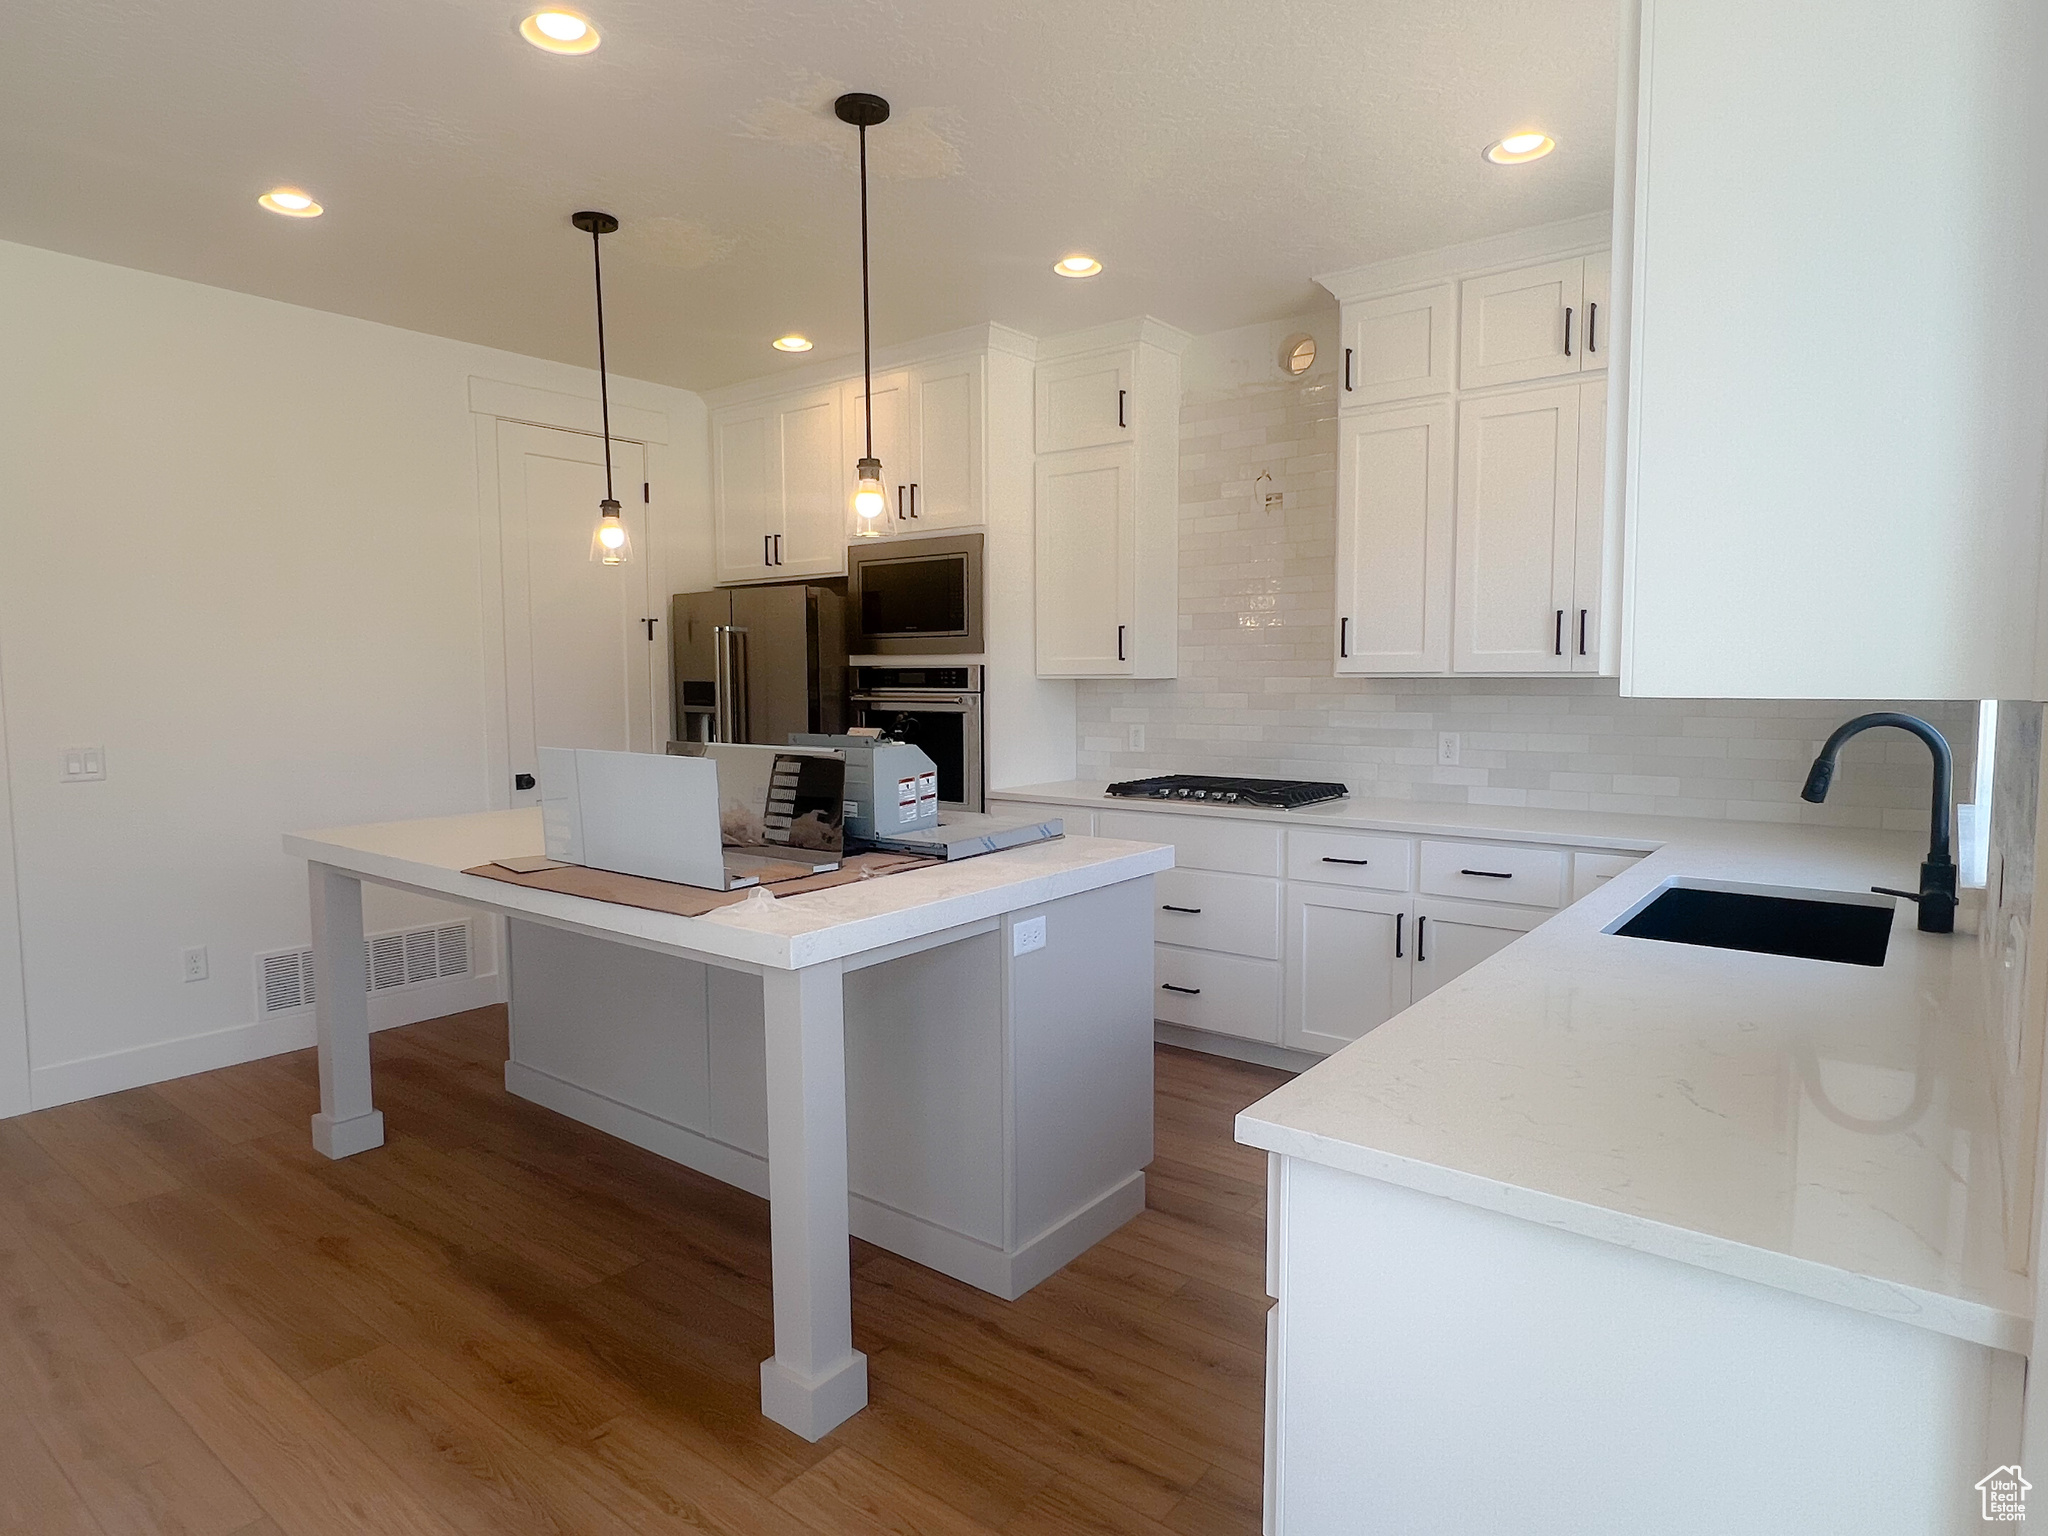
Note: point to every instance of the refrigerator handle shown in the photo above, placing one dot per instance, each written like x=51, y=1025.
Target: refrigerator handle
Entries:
x=729, y=721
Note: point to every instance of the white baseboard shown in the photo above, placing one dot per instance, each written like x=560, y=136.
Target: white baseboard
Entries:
x=1256, y=1052
x=966, y=1259
x=65, y=1081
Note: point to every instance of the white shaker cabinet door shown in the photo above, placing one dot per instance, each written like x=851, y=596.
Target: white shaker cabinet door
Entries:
x=1085, y=401
x=746, y=492
x=892, y=440
x=1451, y=937
x=817, y=486
x=1346, y=965
x=1402, y=347
x=1517, y=523
x=1086, y=557
x=1394, y=517
x=1525, y=324
x=1585, y=621
x=946, y=421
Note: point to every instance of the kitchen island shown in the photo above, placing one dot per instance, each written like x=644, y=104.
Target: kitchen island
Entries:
x=1037, y=958
x=1611, y=1234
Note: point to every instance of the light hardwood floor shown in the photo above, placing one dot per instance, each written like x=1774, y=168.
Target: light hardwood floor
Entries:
x=504, y=1323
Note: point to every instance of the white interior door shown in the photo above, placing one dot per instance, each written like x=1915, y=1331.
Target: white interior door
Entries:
x=578, y=657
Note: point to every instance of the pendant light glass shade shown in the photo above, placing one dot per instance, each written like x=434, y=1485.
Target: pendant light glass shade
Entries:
x=869, y=501
x=610, y=543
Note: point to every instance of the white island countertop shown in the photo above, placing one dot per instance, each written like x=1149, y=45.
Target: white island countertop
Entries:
x=783, y=933
x=1826, y=1129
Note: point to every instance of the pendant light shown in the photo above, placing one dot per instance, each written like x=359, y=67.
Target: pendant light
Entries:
x=864, y=111
x=610, y=543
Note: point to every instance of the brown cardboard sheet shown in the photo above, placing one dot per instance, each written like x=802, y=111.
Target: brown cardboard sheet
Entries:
x=693, y=900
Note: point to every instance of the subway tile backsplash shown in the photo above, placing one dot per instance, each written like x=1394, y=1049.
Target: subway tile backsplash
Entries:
x=1255, y=693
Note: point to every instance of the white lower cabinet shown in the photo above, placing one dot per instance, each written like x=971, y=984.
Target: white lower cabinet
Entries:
x=1233, y=914
x=1223, y=994
x=1450, y=937
x=1347, y=964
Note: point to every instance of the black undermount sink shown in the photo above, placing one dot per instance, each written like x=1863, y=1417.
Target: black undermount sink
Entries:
x=1809, y=926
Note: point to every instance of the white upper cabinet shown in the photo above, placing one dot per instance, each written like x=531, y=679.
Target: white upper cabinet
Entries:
x=780, y=488
x=1401, y=347
x=747, y=489
x=1087, y=562
x=947, y=399
x=1107, y=577
x=1838, y=362
x=892, y=440
x=1394, y=519
x=1596, y=544
x=1518, y=491
x=1085, y=401
x=1525, y=324
x=1595, y=327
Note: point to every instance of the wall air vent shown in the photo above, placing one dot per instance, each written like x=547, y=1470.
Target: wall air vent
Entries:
x=406, y=957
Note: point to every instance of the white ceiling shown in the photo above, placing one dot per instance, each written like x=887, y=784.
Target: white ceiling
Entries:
x=1213, y=154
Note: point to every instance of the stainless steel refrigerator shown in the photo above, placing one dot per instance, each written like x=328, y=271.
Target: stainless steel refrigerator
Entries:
x=756, y=663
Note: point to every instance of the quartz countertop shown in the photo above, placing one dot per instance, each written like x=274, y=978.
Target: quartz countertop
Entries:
x=780, y=932
x=1822, y=1128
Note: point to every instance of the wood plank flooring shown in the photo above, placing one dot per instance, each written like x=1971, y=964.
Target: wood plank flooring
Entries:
x=506, y=1324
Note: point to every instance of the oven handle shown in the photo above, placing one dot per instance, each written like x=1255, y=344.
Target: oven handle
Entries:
x=943, y=703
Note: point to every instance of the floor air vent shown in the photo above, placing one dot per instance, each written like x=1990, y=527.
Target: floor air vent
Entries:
x=406, y=957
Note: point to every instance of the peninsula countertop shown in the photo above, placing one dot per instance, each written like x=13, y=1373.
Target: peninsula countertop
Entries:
x=1826, y=1129
x=783, y=933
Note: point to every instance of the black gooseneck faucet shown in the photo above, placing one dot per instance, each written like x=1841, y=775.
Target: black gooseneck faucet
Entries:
x=1937, y=893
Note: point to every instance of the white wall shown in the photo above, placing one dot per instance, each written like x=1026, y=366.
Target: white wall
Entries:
x=239, y=548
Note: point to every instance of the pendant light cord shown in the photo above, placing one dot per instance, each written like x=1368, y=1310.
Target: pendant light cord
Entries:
x=604, y=402
x=867, y=342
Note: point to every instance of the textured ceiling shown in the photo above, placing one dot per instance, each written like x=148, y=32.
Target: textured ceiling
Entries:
x=1213, y=153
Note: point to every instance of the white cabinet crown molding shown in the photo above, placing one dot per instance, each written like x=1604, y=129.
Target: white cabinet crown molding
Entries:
x=1568, y=237
x=572, y=413
x=1143, y=330
x=989, y=337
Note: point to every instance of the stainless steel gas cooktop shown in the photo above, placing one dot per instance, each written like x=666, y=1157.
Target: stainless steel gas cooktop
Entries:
x=1285, y=794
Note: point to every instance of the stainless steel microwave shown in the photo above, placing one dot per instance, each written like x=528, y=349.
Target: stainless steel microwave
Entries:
x=915, y=597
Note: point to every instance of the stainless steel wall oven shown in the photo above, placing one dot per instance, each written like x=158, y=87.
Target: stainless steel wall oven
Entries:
x=936, y=707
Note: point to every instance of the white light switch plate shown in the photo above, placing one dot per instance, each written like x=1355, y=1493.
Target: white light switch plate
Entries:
x=1027, y=936
x=83, y=764
x=1447, y=749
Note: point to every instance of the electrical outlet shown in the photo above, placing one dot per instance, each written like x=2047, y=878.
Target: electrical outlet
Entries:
x=1027, y=936
x=195, y=963
x=82, y=765
x=1447, y=749
x=1137, y=738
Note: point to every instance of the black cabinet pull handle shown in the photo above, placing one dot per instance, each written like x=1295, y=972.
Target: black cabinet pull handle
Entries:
x=767, y=549
x=1398, y=916
x=1582, y=631
x=1488, y=874
x=1592, y=328
x=522, y=781
x=1567, y=330
x=1347, y=369
x=1120, y=643
x=902, y=504
x=1191, y=911
x=913, y=498
x=1122, y=395
x=1167, y=986
x=1327, y=859
x=1421, y=927
x=1560, y=632
x=1344, y=636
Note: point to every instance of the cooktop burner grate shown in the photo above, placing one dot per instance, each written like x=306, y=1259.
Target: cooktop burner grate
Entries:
x=1286, y=794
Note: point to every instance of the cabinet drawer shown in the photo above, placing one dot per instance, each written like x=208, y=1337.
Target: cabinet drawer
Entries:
x=1346, y=858
x=1235, y=847
x=1224, y=994
x=1590, y=871
x=1237, y=914
x=1528, y=877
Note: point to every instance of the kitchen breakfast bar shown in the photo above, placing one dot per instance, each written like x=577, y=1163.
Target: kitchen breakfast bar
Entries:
x=976, y=1036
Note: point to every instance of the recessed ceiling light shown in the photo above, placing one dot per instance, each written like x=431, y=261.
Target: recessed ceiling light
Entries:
x=560, y=31
x=792, y=343
x=1077, y=266
x=1518, y=148
x=290, y=202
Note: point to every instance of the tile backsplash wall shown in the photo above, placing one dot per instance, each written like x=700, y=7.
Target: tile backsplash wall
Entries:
x=1256, y=695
